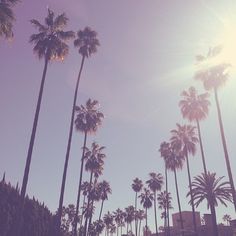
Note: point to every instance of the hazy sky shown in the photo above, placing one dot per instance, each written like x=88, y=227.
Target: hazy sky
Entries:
x=146, y=59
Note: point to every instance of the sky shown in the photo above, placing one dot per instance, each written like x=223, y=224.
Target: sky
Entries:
x=146, y=59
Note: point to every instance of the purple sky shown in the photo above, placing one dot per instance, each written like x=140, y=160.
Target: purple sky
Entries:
x=145, y=60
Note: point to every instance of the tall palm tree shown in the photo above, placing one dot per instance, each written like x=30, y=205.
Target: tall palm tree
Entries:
x=185, y=139
x=155, y=184
x=164, y=150
x=7, y=18
x=140, y=216
x=164, y=202
x=104, y=189
x=174, y=160
x=49, y=44
x=118, y=216
x=146, y=201
x=87, y=44
x=137, y=186
x=212, y=189
x=129, y=217
x=94, y=164
x=108, y=220
x=214, y=75
x=195, y=107
x=87, y=121
x=85, y=190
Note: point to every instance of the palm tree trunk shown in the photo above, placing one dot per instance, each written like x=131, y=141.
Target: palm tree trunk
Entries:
x=32, y=138
x=155, y=212
x=59, y=213
x=100, y=214
x=80, y=182
x=167, y=204
x=214, y=222
x=82, y=215
x=140, y=222
x=191, y=195
x=225, y=149
x=31, y=146
x=88, y=204
x=135, y=218
x=146, y=227
x=180, y=212
x=127, y=227
x=201, y=147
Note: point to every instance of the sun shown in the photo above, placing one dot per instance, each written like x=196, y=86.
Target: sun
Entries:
x=227, y=39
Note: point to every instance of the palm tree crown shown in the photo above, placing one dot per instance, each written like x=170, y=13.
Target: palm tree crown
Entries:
x=155, y=182
x=194, y=106
x=146, y=198
x=50, y=42
x=7, y=18
x=88, y=118
x=184, y=138
x=86, y=42
x=208, y=187
x=137, y=185
x=211, y=72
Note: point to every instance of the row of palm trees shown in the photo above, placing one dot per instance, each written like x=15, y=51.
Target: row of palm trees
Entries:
x=51, y=44
x=184, y=139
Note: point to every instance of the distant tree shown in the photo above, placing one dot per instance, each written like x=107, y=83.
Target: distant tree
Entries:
x=227, y=218
x=104, y=189
x=146, y=200
x=212, y=189
x=87, y=44
x=184, y=138
x=195, y=107
x=155, y=183
x=129, y=217
x=108, y=220
x=118, y=216
x=140, y=216
x=214, y=75
x=87, y=121
x=7, y=18
x=137, y=186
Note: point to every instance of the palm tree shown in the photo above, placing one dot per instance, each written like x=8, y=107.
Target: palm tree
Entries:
x=227, y=218
x=108, y=220
x=164, y=202
x=137, y=186
x=185, y=139
x=164, y=150
x=155, y=184
x=118, y=216
x=88, y=119
x=146, y=201
x=94, y=164
x=195, y=107
x=7, y=18
x=212, y=189
x=214, y=75
x=129, y=216
x=85, y=190
x=87, y=44
x=140, y=216
x=104, y=189
x=174, y=160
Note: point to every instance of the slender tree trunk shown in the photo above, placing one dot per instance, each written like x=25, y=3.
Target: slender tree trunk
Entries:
x=140, y=222
x=68, y=148
x=88, y=204
x=191, y=195
x=225, y=149
x=135, y=218
x=214, y=222
x=82, y=215
x=155, y=212
x=80, y=182
x=146, y=227
x=31, y=146
x=100, y=214
x=180, y=212
x=127, y=228
x=201, y=147
x=167, y=204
